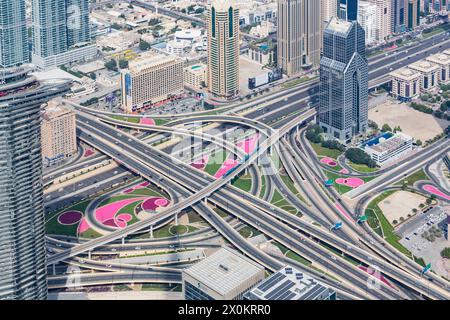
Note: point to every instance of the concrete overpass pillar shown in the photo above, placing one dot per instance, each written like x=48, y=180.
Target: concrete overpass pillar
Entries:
x=206, y=199
x=54, y=269
x=89, y=254
x=123, y=240
x=151, y=232
x=176, y=218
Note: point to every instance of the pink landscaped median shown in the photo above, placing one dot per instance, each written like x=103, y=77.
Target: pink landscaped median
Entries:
x=329, y=161
x=433, y=190
x=227, y=166
x=147, y=121
x=201, y=164
x=350, y=182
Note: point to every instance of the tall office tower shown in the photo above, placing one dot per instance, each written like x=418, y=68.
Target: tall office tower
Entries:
x=383, y=30
x=399, y=12
x=13, y=33
x=49, y=27
x=78, y=30
x=299, y=35
x=343, y=85
x=22, y=232
x=61, y=32
x=413, y=16
x=329, y=10
x=367, y=18
x=347, y=10
x=223, y=49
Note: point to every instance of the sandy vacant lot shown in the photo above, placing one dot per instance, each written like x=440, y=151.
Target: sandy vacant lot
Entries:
x=400, y=204
x=413, y=123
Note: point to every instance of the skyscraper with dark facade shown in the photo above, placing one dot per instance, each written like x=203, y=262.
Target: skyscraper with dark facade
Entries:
x=343, y=107
x=348, y=10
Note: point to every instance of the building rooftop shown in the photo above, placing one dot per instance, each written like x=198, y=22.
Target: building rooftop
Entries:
x=439, y=58
x=150, y=60
x=224, y=270
x=54, y=110
x=339, y=26
x=405, y=74
x=391, y=143
x=424, y=66
x=289, y=284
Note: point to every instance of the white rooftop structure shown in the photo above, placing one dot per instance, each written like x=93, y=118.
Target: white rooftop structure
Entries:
x=405, y=74
x=224, y=271
x=424, y=66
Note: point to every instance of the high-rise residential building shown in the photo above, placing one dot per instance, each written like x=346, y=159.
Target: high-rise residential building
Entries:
x=367, y=18
x=13, y=33
x=383, y=17
x=343, y=106
x=224, y=275
x=150, y=79
x=299, y=35
x=61, y=32
x=399, y=15
x=78, y=31
x=223, y=49
x=347, y=10
x=22, y=222
x=58, y=133
x=328, y=10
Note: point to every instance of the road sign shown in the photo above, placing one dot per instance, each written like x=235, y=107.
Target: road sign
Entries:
x=337, y=226
x=427, y=268
x=362, y=219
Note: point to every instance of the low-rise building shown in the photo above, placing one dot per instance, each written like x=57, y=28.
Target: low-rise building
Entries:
x=443, y=61
x=429, y=74
x=224, y=275
x=195, y=76
x=261, y=54
x=388, y=147
x=291, y=284
x=78, y=54
x=150, y=79
x=178, y=47
x=405, y=83
x=58, y=133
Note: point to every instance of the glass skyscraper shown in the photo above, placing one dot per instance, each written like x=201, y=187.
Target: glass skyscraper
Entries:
x=348, y=10
x=343, y=108
x=59, y=25
x=22, y=222
x=13, y=33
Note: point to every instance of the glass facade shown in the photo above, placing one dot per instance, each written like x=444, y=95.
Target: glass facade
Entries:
x=193, y=293
x=22, y=222
x=13, y=33
x=348, y=10
x=343, y=106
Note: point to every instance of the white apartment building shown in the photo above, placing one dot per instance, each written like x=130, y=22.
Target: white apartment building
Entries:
x=195, y=76
x=58, y=133
x=405, y=83
x=150, y=79
x=383, y=17
x=367, y=18
x=389, y=149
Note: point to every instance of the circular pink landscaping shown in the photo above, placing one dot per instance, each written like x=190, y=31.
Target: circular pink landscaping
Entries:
x=350, y=182
x=70, y=217
x=153, y=203
x=344, y=171
x=329, y=161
